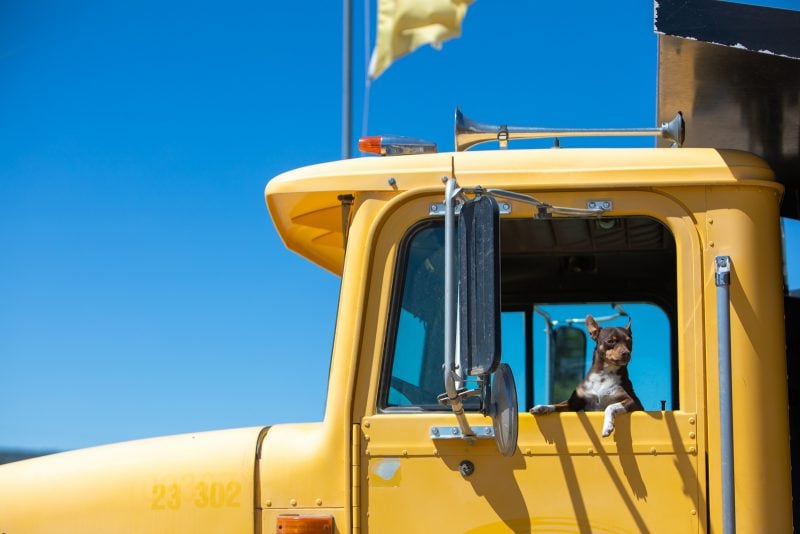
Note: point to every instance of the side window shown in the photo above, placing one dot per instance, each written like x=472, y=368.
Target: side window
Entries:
x=407, y=373
x=514, y=332
x=555, y=272
x=790, y=230
x=417, y=341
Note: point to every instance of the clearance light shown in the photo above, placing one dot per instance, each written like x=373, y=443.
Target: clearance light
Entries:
x=395, y=145
x=305, y=524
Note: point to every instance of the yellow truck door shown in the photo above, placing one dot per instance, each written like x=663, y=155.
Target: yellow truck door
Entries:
x=648, y=476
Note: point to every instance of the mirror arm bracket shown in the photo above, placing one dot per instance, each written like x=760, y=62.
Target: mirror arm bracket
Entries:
x=475, y=296
x=451, y=396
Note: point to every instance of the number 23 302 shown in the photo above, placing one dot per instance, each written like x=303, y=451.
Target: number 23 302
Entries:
x=204, y=495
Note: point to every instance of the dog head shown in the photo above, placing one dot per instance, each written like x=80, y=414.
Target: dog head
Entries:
x=614, y=344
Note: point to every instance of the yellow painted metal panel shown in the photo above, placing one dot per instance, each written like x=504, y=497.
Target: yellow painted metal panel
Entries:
x=567, y=432
x=313, y=190
x=355, y=459
x=563, y=478
x=743, y=223
x=190, y=483
x=305, y=207
x=307, y=467
x=629, y=166
x=300, y=467
x=535, y=494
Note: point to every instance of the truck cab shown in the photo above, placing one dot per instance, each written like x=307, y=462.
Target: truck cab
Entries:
x=652, y=254
x=624, y=235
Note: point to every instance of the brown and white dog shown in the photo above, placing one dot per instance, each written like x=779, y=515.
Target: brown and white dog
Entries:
x=607, y=385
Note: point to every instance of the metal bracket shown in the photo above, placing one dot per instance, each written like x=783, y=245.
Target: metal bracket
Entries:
x=600, y=205
x=454, y=432
x=438, y=209
x=722, y=271
x=502, y=136
x=593, y=207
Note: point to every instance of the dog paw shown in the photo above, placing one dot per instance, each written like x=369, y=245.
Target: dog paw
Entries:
x=608, y=428
x=608, y=421
x=543, y=409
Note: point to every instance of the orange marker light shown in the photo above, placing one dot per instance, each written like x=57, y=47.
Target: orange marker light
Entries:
x=304, y=524
x=395, y=145
x=370, y=145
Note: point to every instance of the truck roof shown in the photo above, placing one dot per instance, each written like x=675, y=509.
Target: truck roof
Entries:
x=306, y=207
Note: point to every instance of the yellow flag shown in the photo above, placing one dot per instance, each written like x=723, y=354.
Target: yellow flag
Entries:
x=405, y=25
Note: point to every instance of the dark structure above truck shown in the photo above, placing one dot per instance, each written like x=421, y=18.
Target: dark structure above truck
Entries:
x=733, y=69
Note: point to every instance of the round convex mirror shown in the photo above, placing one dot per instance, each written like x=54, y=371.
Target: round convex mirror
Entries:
x=504, y=411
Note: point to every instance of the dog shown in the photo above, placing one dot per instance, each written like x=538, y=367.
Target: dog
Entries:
x=607, y=385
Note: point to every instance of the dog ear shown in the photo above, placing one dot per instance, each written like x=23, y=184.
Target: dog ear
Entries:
x=628, y=326
x=592, y=327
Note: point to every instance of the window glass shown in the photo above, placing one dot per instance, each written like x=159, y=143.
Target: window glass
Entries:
x=408, y=359
x=650, y=368
x=554, y=273
x=513, y=341
x=791, y=255
x=418, y=349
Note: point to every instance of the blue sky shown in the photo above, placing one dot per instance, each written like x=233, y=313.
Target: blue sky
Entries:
x=144, y=289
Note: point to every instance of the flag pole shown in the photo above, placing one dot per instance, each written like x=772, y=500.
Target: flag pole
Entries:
x=347, y=90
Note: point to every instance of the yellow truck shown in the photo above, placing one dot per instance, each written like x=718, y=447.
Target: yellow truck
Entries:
x=464, y=279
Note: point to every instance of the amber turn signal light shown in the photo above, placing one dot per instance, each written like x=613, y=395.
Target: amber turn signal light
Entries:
x=370, y=144
x=394, y=145
x=304, y=524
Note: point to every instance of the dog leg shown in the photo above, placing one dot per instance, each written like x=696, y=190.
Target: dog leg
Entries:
x=611, y=411
x=573, y=404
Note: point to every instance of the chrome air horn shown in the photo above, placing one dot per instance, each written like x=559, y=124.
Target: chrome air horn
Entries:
x=470, y=133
